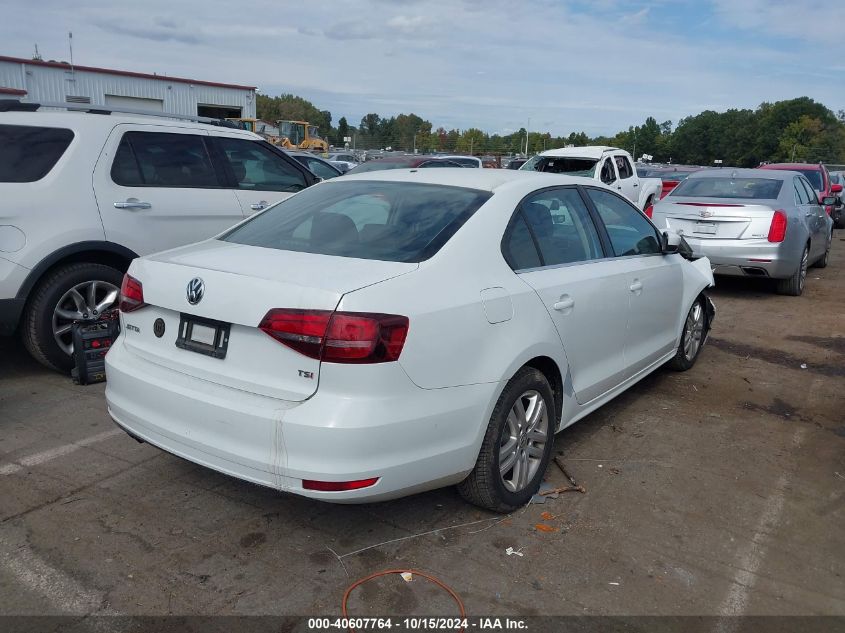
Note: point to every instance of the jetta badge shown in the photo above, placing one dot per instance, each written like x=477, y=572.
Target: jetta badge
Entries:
x=196, y=289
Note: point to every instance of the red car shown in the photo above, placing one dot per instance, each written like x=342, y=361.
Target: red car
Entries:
x=816, y=174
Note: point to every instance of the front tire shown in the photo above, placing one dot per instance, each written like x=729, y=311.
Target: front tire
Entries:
x=75, y=292
x=517, y=446
x=692, y=339
x=794, y=285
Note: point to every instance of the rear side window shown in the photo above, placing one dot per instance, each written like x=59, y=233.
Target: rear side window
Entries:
x=727, y=187
x=629, y=231
x=28, y=153
x=518, y=246
x=561, y=224
x=801, y=195
x=389, y=221
x=161, y=159
x=257, y=167
x=623, y=166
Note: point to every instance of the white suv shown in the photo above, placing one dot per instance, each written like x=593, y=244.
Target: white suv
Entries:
x=84, y=193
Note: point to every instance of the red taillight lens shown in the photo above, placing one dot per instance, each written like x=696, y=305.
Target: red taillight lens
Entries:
x=336, y=486
x=131, y=294
x=777, y=229
x=649, y=210
x=339, y=337
x=829, y=210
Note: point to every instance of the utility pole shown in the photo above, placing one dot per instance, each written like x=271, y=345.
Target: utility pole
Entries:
x=527, y=132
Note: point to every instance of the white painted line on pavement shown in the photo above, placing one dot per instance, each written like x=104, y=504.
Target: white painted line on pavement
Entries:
x=52, y=453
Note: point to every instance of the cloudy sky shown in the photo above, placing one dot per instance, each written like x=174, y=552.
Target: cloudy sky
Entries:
x=567, y=65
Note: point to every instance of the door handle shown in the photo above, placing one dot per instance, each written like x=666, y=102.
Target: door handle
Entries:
x=258, y=206
x=636, y=184
x=809, y=214
x=636, y=286
x=132, y=203
x=566, y=303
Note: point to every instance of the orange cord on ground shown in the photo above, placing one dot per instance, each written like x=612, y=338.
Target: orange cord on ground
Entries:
x=415, y=572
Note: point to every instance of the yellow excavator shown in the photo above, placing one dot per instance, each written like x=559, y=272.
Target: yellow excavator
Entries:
x=300, y=135
x=291, y=135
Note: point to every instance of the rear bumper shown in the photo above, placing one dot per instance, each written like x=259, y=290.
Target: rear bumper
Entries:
x=412, y=439
x=747, y=258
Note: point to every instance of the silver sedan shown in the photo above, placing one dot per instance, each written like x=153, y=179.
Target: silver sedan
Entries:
x=751, y=222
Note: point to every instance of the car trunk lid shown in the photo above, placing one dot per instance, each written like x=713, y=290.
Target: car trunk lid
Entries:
x=241, y=285
x=716, y=219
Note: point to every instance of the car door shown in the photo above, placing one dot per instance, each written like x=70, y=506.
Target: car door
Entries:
x=259, y=173
x=815, y=216
x=157, y=188
x=628, y=184
x=653, y=281
x=584, y=292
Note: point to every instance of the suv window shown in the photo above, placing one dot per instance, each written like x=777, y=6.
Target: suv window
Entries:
x=608, y=175
x=389, y=221
x=629, y=231
x=259, y=168
x=163, y=159
x=623, y=166
x=562, y=226
x=29, y=153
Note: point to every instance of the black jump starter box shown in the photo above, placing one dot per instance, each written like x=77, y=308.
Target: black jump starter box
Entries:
x=91, y=341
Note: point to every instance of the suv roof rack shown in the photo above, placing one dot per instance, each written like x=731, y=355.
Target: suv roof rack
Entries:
x=13, y=105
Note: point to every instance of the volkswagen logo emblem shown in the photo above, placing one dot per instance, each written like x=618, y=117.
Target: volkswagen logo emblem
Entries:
x=196, y=289
x=706, y=214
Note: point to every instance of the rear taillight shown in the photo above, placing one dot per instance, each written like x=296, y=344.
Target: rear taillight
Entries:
x=337, y=486
x=649, y=210
x=131, y=294
x=777, y=229
x=338, y=337
x=829, y=210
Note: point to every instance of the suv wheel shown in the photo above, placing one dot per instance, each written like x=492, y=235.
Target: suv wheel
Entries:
x=76, y=292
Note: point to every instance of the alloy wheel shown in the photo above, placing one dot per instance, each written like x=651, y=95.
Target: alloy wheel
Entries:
x=693, y=331
x=523, y=441
x=83, y=302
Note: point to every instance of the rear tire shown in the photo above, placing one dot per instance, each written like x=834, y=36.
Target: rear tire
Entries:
x=794, y=285
x=37, y=326
x=692, y=339
x=512, y=446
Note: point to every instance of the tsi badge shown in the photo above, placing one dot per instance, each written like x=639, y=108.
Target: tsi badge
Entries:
x=196, y=289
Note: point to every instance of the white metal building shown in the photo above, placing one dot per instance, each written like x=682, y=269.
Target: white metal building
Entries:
x=40, y=81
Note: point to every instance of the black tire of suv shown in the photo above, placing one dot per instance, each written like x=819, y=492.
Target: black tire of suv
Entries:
x=37, y=322
x=483, y=487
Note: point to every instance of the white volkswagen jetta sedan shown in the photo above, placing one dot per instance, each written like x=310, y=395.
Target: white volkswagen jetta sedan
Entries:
x=401, y=330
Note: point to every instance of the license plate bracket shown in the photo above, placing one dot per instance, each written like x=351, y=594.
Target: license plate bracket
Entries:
x=707, y=228
x=203, y=336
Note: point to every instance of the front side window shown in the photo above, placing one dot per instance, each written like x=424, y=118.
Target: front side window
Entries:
x=28, y=153
x=321, y=169
x=389, y=221
x=562, y=227
x=629, y=231
x=608, y=174
x=257, y=167
x=162, y=159
x=623, y=166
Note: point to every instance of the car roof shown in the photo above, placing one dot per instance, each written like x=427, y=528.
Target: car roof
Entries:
x=80, y=120
x=481, y=179
x=591, y=151
x=793, y=166
x=730, y=172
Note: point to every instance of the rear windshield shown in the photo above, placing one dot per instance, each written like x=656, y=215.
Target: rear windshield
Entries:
x=562, y=165
x=814, y=176
x=746, y=188
x=389, y=221
x=28, y=153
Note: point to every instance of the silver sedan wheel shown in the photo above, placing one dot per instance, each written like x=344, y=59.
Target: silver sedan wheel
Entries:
x=523, y=441
x=83, y=302
x=693, y=331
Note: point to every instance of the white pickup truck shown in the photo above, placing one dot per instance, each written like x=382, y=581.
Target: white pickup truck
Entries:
x=610, y=165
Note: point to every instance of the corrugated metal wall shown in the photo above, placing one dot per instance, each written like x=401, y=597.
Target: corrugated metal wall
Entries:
x=44, y=83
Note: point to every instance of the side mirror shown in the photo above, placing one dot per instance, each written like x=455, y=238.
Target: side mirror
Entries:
x=837, y=188
x=829, y=200
x=671, y=242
